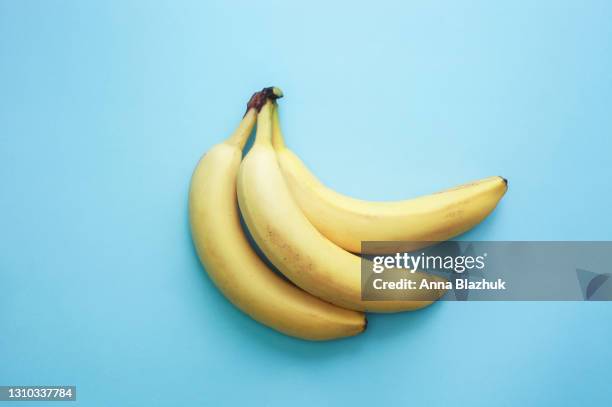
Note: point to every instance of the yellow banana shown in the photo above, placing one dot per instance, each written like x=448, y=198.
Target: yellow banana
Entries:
x=294, y=245
x=347, y=221
x=233, y=265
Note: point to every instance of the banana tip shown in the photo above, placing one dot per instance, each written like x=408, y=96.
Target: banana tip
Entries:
x=277, y=92
x=505, y=180
x=259, y=99
x=272, y=92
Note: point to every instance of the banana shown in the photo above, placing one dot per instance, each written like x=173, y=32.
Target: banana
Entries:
x=294, y=245
x=233, y=265
x=415, y=223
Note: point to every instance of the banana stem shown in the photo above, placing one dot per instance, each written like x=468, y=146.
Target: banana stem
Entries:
x=277, y=135
x=242, y=133
x=263, y=99
x=264, y=124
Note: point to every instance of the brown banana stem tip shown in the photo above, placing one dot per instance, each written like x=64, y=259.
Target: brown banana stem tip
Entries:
x=259, y=99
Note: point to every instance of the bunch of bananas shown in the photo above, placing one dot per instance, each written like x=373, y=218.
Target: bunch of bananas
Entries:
x=308, y=231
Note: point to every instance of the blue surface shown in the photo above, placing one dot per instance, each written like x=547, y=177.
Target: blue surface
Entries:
x=105, y=107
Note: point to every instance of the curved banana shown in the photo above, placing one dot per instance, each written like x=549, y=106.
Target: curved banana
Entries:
x=421, y=221
x=293, y=244
x=233, y=265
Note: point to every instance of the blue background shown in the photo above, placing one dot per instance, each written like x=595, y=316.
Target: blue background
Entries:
x=105, y=108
